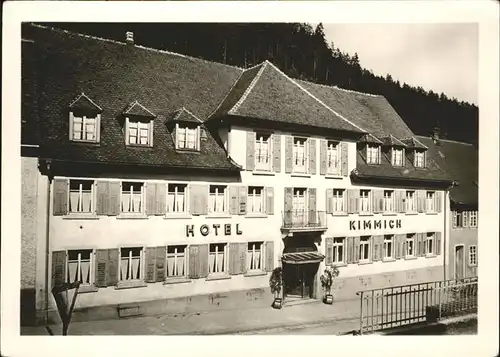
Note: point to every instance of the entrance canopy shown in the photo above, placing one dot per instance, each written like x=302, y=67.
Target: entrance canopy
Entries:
x=302, y=258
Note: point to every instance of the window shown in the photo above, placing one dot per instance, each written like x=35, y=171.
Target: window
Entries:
x=131, y=263
x=186, y=137
x=255, y=257
x=372, y=154
x=429, y=201
x=338, y=200
x=176, y=261
x=81, y=196
x=410, y=201
x=473, y=219
x=217, y=200
x=262, y=152
x=217, y=258
x=397, y=157
x=429, y=244
x=177, y=198
x=388, y=246
x=333, y=158
x=299, y=216
x=364, y=249
x=472, y=255
x=410, y=245
x=80, y=266
x=300, y=155
x=338, y=250
x=458, y=219
x=388, y=201
x=365, y=202
x=419, y=160
x=139, y=132
x=255, y=199
x=84, y=128
x=132, y=197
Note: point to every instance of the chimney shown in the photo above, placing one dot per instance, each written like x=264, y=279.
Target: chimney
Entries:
x=129, y=37
x=435, y=135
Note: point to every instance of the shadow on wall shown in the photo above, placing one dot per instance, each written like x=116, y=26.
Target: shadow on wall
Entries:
x=28, y=309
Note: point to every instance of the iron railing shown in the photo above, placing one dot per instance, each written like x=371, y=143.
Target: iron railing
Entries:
x=304, y=220
x=408, y=304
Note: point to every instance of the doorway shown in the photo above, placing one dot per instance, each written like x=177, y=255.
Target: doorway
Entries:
x=459, y=262
x=298, y=279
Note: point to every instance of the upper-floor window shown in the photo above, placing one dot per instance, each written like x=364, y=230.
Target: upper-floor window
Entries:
x=473, y=219
x=338, y=250
x=255, y=256
x=397, y=157
x=176, y=198
x=81, y=196
x=263, y=151
x=388, y=201
x=364, y=249
x=217, y=200
x=410, y=201
x=131, y=263
x=256, y=199
x=472, y=255
x=84, y=128
x=365, y=201
x=333, y=157
x=419, y=159
x=187, y=137
x=176, y=261
x=79, y=264
x=299, y=199
x=430, y=201
x=217, y=258
x=410, y=245
x=299, y=155
x=388, y=246
x=139, y=132
x=429, y=244
x=338, y=200
x=372, y=154
x=132, y=197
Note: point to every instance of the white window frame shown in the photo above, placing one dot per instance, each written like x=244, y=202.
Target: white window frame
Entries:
x=79, y=261
x=388, y=239
x=430, y=203
x=300, y=154
x=410, y=238
x=472, y=256
x=175, y=194
x=85, y=119
x=472, y=219
x=397, y=157
x=251, y=258
x=175, y=255
x=300, y=205
x=410, y=196
x=388, y=201
x=255, y=200
x=187, y=131
x=141, y=264
x=365, y=240
x=212, y=199
x=430, y=238
x=130, y=123
x=419, y=159
x=365, y=201
x=372, y=154
x=80, y=197
x=226, y=256
x=263, y=161
x=338, y=200
x=333, y=157
x=132, y=193
x=337, y=257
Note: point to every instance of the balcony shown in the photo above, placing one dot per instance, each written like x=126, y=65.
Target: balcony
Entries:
x=303, y=221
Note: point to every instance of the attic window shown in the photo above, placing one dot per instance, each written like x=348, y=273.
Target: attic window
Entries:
x=84, y=120
x=187, y=137
x=139, y=131
x=397, y=157
x=419, y=159
x=372, y=153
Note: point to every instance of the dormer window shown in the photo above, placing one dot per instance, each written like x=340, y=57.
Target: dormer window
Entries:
x=187, y=136
x=397, y=158
x=416, y=152
x=419, y=159
x=84, y=120
x=372, y=154
x=139, y=124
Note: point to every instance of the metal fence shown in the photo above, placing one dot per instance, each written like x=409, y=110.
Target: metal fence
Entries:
x=408, y=304
x=300, y=219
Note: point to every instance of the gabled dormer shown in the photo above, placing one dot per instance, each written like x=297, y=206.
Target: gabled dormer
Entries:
x=84, y=120
x=187, y=130
x=394, y=149
x=370, y=148
x=138, y=125
x=416, y=152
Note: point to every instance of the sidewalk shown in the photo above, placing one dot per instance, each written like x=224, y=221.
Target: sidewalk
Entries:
x=343, y=317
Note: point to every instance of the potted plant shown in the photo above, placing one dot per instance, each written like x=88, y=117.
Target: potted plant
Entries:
x=327, y=281
x=276, y=283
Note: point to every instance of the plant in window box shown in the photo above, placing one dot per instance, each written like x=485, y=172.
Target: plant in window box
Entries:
x=276, y=283
x=327, y=281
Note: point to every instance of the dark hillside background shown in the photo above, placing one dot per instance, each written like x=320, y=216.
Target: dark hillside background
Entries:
x=302, y=52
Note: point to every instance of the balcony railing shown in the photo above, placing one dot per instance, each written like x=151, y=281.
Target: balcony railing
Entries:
x=304, y=220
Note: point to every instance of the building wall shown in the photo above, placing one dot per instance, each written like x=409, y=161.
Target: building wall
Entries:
x=467, y=237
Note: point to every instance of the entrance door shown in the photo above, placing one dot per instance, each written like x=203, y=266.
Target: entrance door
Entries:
x=459, y=262
x=298, y=280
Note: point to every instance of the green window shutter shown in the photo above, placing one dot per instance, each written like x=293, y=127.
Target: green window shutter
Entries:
x=277, y=153
x=101, y=267
x=329, y=200
x=161, y=256
x=242, y=251
x=112, y=265
x=61, y=192
x=203, y=260
x=102, y=197
x=352, y=200
x=151, y=264
x=269, y=200
x=194, y=270
x=242, y=200
x=438, y=200
x=150, y=198
x=322, y=157
x=288, y=154
x=234, y=203
x=114, y=198
x=234, y=259
x=344, y=154
x=58, y=267
x=269, y=250
x=312, y=156
x=328, y=251
x=355, y=258
x=161, y=198
x=437, y=243
x=250, y=150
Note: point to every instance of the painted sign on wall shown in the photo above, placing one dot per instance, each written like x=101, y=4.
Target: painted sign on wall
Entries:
x=374, y=224
x=206, y=229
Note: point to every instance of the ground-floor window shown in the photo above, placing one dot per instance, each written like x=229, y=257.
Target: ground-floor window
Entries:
x=255, y=259
x=80, y=266
x=338, y=250
x=429, y=244
x=364, y=249
x=472, y=255
x=176, y=261
x=410, y=245
x=131, y=263
x=388, y=246
x=217, y=258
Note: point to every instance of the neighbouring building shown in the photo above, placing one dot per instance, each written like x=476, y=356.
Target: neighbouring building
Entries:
x=169, y=184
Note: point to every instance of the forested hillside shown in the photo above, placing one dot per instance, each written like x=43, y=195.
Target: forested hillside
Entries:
x=302, y=52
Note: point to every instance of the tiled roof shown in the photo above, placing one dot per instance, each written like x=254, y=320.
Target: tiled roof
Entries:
x=82, y=102
x=460, y=161
x=29, y=99
x=184, y=115
x=390, y=140
x=413, y=143
x=137, y=109
x=369, y=138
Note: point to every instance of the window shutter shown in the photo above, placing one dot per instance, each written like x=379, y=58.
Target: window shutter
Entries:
x=234, y=202
x=355, y=258
x=161, y=255
x=269, y=200
x=344, y=154
x=438, y=243
x=198, y=199
x=112, y=265
x=312, y=199
x=312, y=156
x=102, y=197
x=437, y=201
x=277, y=153
x=329, y=200
x=352, y=200
x=101, y=267
x=250, y=150
x=58, y=267
x=378, y=246
x=411, y=156
x=161, y=194
x=71, y=123
x=349, y=247
x=397, y=244
x=423, y=242
x=151, y=264
x=98, y=128
x=242, y=203
x=194, y=270
x=242, y=250
x=288, y=199
x=269, y=250
x=328, y=251
x=421, y=195
x=465, y=219
x=400, y=200
x=150, y=198
x=234, y=259
x=61, y=188
x=454, y=219
x=288, y=154
x=114, y=198
x=322, y=157
x=203, y=260
x=377, y=200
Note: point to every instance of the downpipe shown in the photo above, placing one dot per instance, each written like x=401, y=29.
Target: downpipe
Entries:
x=47, y=242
